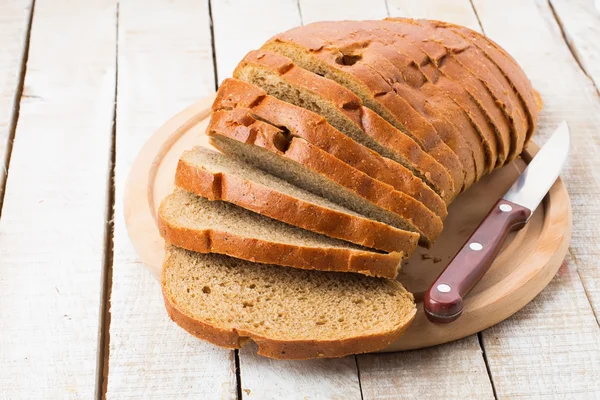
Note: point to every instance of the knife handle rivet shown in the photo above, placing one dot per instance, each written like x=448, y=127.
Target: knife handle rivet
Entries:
x=443, y=288
x=475, y=246
x=505, y=208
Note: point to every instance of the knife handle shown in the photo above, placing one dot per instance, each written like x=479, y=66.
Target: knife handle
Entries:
x=443, y=301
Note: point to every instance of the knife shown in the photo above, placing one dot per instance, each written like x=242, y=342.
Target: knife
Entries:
x=443, y=302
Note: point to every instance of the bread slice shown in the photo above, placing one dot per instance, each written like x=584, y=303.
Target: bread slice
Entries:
x=289, y=313
x=511, y=70
x=292, y=158
x=205, y=226
x=216, y=176
x=313, y=128
x=416, y=87
x=373, y=90
x=279, y=77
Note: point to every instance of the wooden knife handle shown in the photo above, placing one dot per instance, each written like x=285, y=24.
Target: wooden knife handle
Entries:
x=443, y=301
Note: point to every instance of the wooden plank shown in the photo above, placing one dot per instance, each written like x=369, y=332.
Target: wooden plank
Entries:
x=459, y=12
x=240, y=26
x=260, y=377
x=263, y=378
x=557, y=332
x=164, y=64
x=452, y=371
x=53, y=221
x=580, y=23
x=14, y=25
x=333, y=10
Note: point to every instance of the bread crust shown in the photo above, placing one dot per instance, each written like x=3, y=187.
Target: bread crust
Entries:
x=418, y=87
x=276, y=348
x=282, y=207
x=511, y=70
x=450, y=68
x=239, y=125
x=390, y=73
x=315, y=129
x=376, y=94
x=473, y=59
x=364, y=119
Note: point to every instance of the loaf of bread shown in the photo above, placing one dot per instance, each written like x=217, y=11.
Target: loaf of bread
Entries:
x=341, y=145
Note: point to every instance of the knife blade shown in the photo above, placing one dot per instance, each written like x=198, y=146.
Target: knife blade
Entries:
x=443, y=301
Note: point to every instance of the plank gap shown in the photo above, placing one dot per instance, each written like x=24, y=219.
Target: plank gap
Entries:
x=212, y=44
x=487, y=365
x=300, y=12
x=109, y=244
x=585, y=290
x=575, y=57
x=362, y=396
x=238, y=373
x=482, y=31
x=17, y=107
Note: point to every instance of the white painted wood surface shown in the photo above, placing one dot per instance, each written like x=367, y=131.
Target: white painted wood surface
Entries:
x=241, y=25
x=330, y=10
x=263, y=378
x=580, y=23
x=14, y=28
x=557, y=331
x=53, y=218
x=451, y=371
x=458, y=11
x=164, y=64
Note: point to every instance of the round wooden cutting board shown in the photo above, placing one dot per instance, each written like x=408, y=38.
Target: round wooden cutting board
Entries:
x=527, y=262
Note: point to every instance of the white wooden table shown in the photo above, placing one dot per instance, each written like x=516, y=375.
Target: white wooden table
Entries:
x=82, y=86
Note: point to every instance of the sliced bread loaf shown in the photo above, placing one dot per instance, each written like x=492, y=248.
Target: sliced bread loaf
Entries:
x=217, y=176
x=511, y=70
x=301, y=122
x=205, y=226
x=451, y=69
x=281, y=78
x=373, y=90
x=474, y=60
x=289, y=313
x=411, y=83
x=291, y=158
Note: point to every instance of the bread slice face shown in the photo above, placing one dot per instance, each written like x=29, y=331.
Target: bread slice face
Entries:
x=295, y=160
x=373, y=90
x=205, y=226
x=217, y=176
x=279, y=77
x=303, y=123
x=289, y=313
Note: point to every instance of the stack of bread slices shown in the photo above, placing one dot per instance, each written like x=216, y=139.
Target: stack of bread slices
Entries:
x=340, y=145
